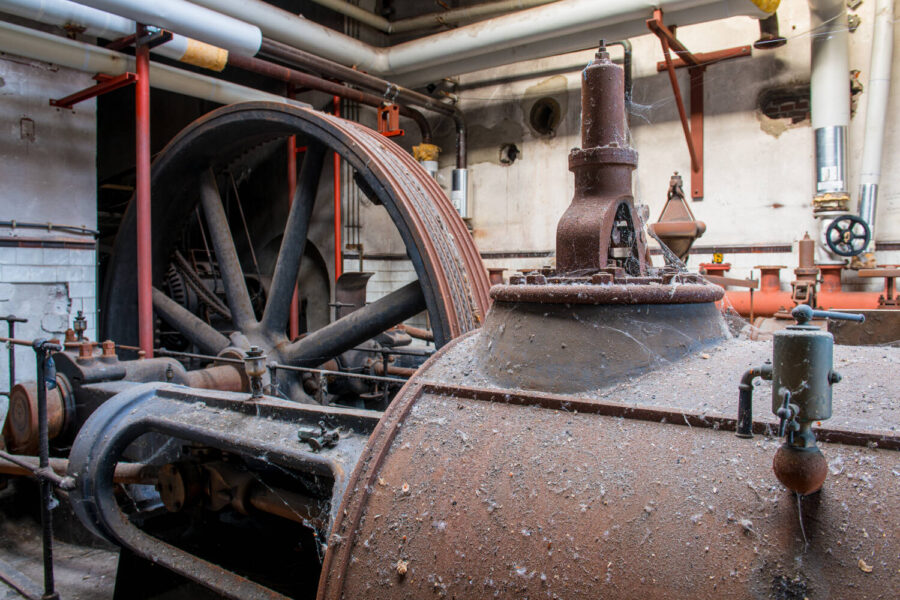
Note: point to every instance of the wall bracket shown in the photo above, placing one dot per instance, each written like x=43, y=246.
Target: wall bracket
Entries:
x=696, y=65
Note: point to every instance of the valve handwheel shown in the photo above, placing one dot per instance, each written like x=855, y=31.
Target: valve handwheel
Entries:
x=848, y=235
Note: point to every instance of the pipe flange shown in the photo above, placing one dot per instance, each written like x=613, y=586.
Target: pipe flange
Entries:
x=604, y=155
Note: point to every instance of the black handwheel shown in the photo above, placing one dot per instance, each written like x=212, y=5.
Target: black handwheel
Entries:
x=848, y=235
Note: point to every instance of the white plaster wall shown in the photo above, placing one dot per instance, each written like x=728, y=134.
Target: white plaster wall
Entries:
x=45, y=276
x=759, y=185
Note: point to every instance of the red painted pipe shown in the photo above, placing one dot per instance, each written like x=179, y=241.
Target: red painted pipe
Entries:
x=766, y=304
x=142, y=194
x=294, y=319
x=338, y=257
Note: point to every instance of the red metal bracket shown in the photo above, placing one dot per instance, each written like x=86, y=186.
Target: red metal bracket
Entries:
x=696, y=65
x=389, y=120
x=105, y=84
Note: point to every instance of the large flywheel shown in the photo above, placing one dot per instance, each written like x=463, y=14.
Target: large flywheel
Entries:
x=192, y=172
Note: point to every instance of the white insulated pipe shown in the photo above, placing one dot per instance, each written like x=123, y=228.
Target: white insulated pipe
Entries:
x=876, y=112
x=553, y=25
x=830, y=93
x=451, y=16
x=585, y=40
x=38, y=45
x=187, y=19
x=93, y=22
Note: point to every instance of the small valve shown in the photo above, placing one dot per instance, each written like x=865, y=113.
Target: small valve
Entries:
x=80, y=325
x=255, y=367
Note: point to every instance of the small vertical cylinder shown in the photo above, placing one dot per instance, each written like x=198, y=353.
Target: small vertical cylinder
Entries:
x=603, y=103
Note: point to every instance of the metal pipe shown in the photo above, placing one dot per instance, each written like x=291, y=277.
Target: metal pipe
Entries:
x=90, y=21
x=829, y=97
x=188, y=19
x=876, y=112
x=338, y=256
x=38, y=45
x=292, y=76
x=390, y=91
x=142, y=194
x=27, y=466
x=554, y=28
x=448, y=17
x=42, y=351
x=744, y=427
x=294, y=315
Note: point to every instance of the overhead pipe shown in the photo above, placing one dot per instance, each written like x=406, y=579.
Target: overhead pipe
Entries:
x=90, y=21
x=391, y=92
x=553, y=28
x=273, y=71
x=38, y=45
x=876, y=113
x=452, y=16
x=188, y=19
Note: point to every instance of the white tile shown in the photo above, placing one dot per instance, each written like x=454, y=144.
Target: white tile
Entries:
x=57, y=256
x=7, y=256
x=28, y=274
x=29, y=256
x=82, y=257
x=81, y=289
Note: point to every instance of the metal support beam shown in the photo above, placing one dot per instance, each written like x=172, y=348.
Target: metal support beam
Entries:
x=104, y=85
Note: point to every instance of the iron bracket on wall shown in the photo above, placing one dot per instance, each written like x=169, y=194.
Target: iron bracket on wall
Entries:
x=108, y=83
x=696, y=65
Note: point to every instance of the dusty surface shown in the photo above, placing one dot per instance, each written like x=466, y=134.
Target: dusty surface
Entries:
x=80, y=573
x=706, y=381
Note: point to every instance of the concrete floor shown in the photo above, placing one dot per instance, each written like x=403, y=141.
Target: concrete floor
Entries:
x=81, y=573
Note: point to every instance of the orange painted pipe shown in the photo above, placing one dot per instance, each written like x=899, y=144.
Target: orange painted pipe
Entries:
x=766, y=304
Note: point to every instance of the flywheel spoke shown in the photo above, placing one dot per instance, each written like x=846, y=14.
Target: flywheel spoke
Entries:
x=188, y=324
x=226, y=255
x=284, y=280
x=357, y=327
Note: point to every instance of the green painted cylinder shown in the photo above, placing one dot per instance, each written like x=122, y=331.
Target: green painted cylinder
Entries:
x=802, y=356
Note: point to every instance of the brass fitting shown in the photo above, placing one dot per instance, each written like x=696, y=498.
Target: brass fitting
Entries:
x=424, y=152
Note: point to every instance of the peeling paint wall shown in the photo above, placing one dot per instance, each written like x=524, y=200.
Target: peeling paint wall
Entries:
x=48, y=175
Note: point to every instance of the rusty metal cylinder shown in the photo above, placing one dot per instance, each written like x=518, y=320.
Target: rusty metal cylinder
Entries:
x=603, y=103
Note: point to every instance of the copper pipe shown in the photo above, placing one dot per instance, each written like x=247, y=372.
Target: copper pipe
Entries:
x=392, y=370
x=416, y=332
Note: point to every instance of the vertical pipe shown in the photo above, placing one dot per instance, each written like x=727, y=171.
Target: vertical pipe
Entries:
x=11, y=327
x=876, y=112
x=830, y=94
x=338, y=259
x=142, y=193
x=41, y=355
x=294, y=318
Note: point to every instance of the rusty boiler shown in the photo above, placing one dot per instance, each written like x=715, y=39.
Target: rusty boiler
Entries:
x=582, y=443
